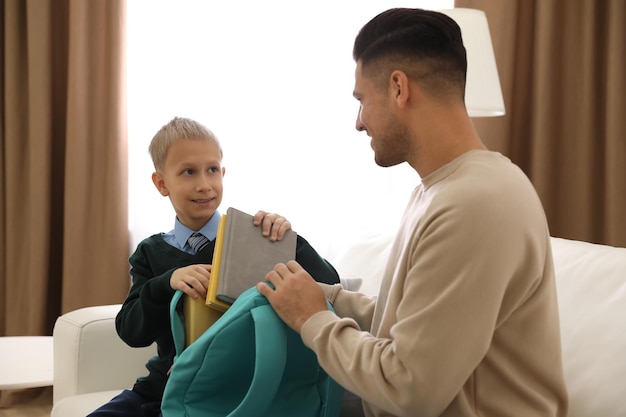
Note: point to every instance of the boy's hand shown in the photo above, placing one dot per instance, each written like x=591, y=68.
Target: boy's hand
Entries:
x=193, y=280
x=272, y=225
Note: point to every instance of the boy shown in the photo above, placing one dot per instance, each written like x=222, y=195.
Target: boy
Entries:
x=187, y=158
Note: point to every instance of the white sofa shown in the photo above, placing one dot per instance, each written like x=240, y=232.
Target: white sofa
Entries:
x=91, y=364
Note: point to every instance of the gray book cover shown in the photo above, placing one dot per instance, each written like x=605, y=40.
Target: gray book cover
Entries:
x=247, y=256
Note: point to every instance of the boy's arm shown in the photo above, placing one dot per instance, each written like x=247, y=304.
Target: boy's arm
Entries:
x=145, y=313
x=319, y=268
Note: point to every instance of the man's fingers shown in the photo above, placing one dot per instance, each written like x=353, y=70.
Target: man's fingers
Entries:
x=293, y=266
x=274, y=277
x=282, y=271
x=264, y=289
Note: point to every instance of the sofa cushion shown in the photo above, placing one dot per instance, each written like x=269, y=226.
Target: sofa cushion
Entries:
x=591, y=284
x=81, y=405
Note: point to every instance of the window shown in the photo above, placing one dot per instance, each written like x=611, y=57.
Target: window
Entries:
x=273, y=80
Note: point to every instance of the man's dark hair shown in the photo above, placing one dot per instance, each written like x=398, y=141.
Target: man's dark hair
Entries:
x=425, y=44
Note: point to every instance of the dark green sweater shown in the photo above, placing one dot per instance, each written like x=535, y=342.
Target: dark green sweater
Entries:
x=144, y=317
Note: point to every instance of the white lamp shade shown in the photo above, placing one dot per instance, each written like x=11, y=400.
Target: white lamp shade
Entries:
x=483, y=95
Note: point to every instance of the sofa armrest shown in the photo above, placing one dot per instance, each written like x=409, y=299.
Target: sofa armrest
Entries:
x=90, y=357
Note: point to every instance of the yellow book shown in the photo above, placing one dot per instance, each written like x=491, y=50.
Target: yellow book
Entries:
x=211, y=297
x=199, y=314
x=198, y=317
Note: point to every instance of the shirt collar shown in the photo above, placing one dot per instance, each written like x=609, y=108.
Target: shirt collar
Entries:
x=182, y=232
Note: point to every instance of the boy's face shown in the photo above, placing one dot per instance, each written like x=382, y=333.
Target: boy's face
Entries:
x=192, y=179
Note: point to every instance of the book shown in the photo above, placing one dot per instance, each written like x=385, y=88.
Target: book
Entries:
x=243, y=256
x=198, y=317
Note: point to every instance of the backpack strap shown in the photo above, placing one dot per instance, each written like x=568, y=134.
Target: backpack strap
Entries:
x=271, y=346
x=177, y=323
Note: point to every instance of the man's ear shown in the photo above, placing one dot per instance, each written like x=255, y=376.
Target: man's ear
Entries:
x=399, y=87
x=159, y=183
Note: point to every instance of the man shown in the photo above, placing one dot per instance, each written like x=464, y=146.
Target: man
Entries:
x=466, y=320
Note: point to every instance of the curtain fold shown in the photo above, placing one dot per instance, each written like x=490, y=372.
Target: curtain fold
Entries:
x=63, y=164
x=562, y=68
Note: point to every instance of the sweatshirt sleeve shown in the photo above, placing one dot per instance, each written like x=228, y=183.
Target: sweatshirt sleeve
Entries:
x=357, y=306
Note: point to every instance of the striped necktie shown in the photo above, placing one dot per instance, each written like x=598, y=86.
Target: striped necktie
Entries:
x=197, y=241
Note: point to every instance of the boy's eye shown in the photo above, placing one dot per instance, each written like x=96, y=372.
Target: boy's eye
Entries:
x=188, y=171
x=214, y=169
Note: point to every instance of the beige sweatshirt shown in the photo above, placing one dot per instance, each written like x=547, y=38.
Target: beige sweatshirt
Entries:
x=466, y=320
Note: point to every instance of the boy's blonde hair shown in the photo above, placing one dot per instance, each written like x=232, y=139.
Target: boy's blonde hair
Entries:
x=178, y=128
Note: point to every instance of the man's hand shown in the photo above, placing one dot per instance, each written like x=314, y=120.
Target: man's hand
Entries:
x=296, y=296
x=193, y=280
x=272, y=225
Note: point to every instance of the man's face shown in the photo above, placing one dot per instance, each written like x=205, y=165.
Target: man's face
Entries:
x=192, y=179
x=378, y=119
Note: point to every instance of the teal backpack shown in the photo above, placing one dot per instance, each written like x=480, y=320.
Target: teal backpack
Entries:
x=247, y=364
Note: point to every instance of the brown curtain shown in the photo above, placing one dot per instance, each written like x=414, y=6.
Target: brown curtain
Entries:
x=562, y=66
x=63, y=162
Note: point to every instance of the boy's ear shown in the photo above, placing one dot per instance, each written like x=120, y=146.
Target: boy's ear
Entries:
x=159, y=183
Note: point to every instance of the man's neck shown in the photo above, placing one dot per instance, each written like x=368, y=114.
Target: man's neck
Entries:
x=444, y=139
